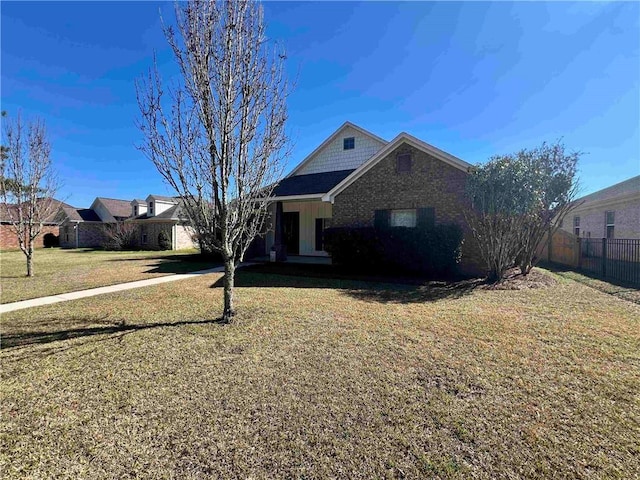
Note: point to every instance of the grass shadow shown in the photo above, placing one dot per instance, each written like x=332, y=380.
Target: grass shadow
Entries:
x=167, y=264
x=361, y=287
x=40, y=338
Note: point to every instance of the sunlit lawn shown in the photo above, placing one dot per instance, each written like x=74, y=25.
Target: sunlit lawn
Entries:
x=323, y=378
x=61, y=271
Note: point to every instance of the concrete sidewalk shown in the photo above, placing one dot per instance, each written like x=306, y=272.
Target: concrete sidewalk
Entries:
x=64, y=297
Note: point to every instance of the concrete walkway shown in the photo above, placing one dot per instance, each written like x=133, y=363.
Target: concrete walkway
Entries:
x=64, y=297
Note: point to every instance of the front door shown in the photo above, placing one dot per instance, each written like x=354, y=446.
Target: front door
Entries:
x=291, y=231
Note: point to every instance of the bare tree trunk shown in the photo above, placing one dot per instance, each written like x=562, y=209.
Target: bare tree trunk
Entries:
x=217, y=136
x=30, y=259
x=229, y=280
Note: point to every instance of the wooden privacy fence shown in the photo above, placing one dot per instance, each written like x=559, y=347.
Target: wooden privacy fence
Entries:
x=610, y=258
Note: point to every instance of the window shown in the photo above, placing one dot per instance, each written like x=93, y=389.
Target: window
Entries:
x=321, y=225
x=403, y=218
x=576, y=226
x=150, y=208
x=349, y=143
x=135, y=211
x=403, y=163
x=144, y=238
x=609, y=224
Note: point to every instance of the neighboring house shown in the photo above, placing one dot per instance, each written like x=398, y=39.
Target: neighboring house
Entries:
x=156, y=214
x=357, y=179
x=9, y=240
x=85, y=227
x=613, y=212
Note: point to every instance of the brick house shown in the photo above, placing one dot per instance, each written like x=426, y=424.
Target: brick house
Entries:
x=85, y=227
x=613, y=212
x=356, y=179
x=8, y=238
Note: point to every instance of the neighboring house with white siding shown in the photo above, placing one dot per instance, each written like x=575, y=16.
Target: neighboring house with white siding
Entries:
x=613, y=212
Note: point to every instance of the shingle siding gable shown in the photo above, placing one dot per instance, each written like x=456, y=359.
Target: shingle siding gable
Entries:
x=333, y=157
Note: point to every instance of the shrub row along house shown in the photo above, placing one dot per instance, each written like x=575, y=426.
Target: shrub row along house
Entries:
x=357, y=180
x=87, y=227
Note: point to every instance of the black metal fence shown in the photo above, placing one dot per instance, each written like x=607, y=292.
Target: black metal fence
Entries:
x=614, y=259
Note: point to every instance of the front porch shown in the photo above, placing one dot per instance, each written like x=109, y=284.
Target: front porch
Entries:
x=297, y=230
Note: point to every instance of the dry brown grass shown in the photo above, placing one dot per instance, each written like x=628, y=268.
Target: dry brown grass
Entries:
x=324, y=378
x=61, y=271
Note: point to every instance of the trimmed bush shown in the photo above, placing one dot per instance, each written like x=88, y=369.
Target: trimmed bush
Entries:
x=50, y=240
x=434, y=251
x=164, y=242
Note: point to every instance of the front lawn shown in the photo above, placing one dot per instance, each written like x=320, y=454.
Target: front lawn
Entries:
x=322, y=378
x=61, y=271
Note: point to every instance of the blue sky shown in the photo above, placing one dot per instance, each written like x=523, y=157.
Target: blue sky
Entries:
x=474, y=79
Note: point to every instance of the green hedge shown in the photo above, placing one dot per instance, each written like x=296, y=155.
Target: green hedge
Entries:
x=430, y=250
x=164, y=242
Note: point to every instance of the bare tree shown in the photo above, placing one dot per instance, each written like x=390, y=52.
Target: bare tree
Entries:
x=217, y=135
x=120, y=235
x=28, y=183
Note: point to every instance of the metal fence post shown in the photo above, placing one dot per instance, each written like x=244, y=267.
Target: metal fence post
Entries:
x=579, y=262
x=604, y=257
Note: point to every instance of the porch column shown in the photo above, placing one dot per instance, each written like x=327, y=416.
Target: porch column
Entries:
x=278, y=241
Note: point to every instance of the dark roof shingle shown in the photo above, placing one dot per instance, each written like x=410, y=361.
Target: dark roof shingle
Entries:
x=81, y=214
x=310, y=184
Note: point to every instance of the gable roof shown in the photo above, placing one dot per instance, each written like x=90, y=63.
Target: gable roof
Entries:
x=116, y=207
x=331, y=138
x=80, y=214
x=386, y=150
x=161, y=198
x=9, y=210
x=312, y=183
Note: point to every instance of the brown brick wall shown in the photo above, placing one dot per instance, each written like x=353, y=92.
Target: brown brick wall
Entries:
x=9, y=241
x=90, y=235
x=431, y=183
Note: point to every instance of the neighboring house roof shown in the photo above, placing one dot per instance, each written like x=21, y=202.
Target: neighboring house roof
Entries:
x=116, y=207
x=402, y=138
x=161, y=198
x=313, y=183
x=5, y=217
x=137, y=201
x=80, y=214
x=618, y=193
x=347, y=126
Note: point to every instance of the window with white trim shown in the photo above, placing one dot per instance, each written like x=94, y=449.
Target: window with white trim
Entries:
x=403, y=218
x=576, y=226
x=609, y=224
